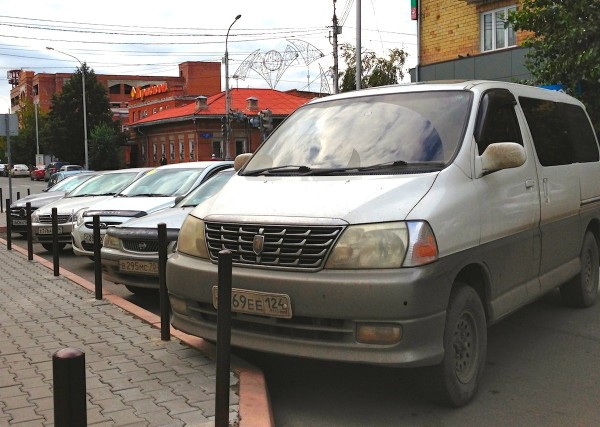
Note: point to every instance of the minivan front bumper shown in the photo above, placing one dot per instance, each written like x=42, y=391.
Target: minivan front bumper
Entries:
x=327, y=308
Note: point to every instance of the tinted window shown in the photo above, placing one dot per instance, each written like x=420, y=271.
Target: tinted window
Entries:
x=497, y=120
x=561, y=132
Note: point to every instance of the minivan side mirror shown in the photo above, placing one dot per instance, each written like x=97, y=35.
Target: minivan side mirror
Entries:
x=241, y=160
x=501, y=155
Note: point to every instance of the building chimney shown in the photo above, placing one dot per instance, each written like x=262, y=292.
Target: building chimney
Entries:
x=252, y=103
x=201, y=103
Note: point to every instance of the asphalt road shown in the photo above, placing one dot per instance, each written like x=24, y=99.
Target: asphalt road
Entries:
x=542, y=370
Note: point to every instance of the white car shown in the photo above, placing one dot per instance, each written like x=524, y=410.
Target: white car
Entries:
x=157, y=190
x=95, y=189
x=130, y=250
x=19, y=170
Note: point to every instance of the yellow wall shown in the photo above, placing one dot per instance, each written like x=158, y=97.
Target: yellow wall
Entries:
x=452, y=27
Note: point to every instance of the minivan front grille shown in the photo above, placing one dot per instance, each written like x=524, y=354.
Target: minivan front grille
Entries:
x=282, y=246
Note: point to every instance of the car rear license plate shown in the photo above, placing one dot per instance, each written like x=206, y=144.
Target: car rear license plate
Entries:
x=19, y=222
x=254, y=302
x=48, y=230
x=146, y=267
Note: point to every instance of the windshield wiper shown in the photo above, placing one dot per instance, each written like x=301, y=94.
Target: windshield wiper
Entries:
x=302, y=170
x=148, y=195
x=379, y=166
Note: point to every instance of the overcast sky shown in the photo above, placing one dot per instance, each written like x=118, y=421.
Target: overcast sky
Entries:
x=120, y=37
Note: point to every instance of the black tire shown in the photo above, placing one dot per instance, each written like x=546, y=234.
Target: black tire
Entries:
x=141, y=291
x=456, y=379
x=581, y=291
x=49, y=246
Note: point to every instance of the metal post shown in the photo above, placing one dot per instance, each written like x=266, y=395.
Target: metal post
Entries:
x=29, y=240
x=97, y=257
x=55, y=241
x=8, y=227
x=165, y=307
x=223, y=339
x=18, y=195
x=1, y=205
x=68, y=372
x=228, y=95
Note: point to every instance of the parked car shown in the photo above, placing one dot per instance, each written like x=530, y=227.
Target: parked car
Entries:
x=53, y=168
x=102, y=186
x=59, y=176
x=70, y=168
x=159, y=189
x=19, y=170
x=38, y=173
x=130, y=250
x=18, y=212
x=3, y=169
x=392, y=225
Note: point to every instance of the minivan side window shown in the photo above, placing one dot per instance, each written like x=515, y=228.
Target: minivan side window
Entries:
x=561, y=132
x=497, y=120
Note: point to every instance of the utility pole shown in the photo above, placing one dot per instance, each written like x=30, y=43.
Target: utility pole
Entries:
x=358, y=49
x=336, y=31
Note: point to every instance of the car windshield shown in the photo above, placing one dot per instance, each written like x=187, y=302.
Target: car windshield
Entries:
x=207, y=189
x=388, y=132
x=70, y=182
x=164, y=183
x=104, y=185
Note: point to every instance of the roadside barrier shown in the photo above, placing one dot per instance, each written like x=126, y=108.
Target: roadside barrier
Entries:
x=29, y=237
x=68, y=375
x=55, y=248
x=223, y=339
x=97, y=258
x=8, y=227
x=165, y=306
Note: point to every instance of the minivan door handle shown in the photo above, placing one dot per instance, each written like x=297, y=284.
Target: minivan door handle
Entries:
x=529, y=183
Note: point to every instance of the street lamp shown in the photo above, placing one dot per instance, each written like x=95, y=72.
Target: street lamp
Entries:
x=85, y=138
x=227, y=94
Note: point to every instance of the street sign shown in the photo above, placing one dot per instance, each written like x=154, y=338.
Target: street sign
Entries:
x=9, y=125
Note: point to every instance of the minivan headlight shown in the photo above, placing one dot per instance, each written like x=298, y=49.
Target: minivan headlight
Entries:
x=384, y=245
x=191, y=239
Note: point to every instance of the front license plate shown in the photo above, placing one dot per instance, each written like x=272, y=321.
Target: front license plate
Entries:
x=48, y=230
x=88, y=238
x=19, y=222
x=146, y=267
x=254, y=302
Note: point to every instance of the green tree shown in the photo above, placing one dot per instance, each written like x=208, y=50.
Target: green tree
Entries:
x=375, y=71
x=105, y=141
x=563, y=41
x=64, y=131
x=24, y=146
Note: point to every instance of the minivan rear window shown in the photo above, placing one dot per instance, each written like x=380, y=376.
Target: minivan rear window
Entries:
x=561, y=132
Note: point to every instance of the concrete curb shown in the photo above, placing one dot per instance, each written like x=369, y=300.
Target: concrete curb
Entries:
x=254, y=403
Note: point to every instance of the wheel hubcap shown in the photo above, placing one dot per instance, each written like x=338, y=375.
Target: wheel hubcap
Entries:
x=465, y=348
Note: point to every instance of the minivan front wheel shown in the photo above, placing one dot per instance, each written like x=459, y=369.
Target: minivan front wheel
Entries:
x=465, y=347
x=582, y=290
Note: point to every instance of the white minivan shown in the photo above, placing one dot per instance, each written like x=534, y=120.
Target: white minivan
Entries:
x=393, y=225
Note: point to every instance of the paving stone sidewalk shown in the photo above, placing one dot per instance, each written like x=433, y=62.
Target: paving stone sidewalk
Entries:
x=133, y=378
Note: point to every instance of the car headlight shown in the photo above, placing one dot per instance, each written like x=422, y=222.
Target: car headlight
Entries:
x=386, y=245
x=79, y=216
x=35, y=217
x=191, y=239
x=111, y=242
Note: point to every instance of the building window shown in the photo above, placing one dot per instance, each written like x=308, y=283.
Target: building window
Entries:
x=191, y=142
x=171, y=148
x=496, y=31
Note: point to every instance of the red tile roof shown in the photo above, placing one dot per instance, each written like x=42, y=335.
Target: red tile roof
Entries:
x=280, y=104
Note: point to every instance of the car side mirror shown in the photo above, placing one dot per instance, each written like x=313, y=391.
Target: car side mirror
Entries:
x=501, y=155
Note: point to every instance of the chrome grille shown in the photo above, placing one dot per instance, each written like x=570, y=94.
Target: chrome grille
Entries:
x=61, y=219
x=299, y=247
x=20, y=212
x=141, y=245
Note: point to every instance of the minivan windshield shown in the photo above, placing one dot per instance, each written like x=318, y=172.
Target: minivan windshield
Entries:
x=367, y=134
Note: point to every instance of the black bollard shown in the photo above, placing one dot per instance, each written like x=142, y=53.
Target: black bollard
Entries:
x=8, y=226
x=97, y=258
x=29, y=241
x=1, y=205
x=68, y=371
x=223, y=340
x=28, y=192
x=55, y=241
x=18, y=195
x=165, y=307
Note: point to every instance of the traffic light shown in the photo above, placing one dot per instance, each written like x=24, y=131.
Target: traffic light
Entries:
x=266, y=120
x=224, y=126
